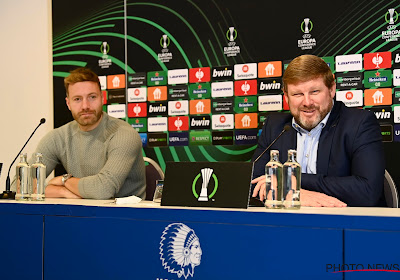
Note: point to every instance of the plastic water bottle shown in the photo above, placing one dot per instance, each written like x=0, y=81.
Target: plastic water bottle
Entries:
x=291, y=182
x=38, y=170
x=273, y=178
x=23, y=179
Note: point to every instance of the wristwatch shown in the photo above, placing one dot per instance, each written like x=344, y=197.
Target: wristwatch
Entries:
x=65, y=177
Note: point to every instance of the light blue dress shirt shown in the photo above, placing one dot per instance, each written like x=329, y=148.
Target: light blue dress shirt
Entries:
x=307, y=145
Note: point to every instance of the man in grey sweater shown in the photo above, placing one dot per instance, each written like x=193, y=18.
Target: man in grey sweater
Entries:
x=101, y=154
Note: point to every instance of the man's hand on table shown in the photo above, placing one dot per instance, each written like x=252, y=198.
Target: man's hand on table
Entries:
x=55, y=188
x=307, y=198
x=317, y=199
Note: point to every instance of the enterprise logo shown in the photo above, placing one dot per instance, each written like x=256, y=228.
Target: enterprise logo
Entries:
x=178, y=76
x=116, y=111
x=222, y=89
x=270, y=103
x=352, y=62
x=157, y=124
x=396, y=77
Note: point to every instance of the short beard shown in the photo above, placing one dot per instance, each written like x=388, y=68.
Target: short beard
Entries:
x=87, y=122
x=308, y=125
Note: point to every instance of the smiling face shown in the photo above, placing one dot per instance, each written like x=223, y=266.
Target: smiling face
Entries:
x=310, y=101
x=85, y=103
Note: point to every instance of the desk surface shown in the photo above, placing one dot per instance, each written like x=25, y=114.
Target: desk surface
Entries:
x=352, y=211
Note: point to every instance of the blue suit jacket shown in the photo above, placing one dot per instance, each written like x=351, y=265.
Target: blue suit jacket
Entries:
x=350, y=157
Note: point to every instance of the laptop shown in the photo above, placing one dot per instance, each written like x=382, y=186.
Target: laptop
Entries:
x=207, y=184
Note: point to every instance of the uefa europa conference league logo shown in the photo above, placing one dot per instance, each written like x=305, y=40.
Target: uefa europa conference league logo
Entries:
x=206, y=175
x=165, y=55
x=391, y=34
x=308, y=42
x=105, y=61
x=232, y=49
x=180, y=250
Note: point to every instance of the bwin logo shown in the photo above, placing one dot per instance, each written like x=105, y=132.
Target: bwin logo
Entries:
x=270, y=86
x=202, y=122
x=221, y=73
x=382, y=115
x=180, y=250
x=157, y=109
x=397, y=58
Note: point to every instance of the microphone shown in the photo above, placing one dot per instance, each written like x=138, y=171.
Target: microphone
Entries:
x=285, y=128
x=8, y=194
x=255, y=201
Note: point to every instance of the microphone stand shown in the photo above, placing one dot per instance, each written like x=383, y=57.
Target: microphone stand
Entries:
x=8, y=194
x=255, y=201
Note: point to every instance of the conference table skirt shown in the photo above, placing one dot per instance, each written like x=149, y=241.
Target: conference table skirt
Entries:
x=97, y=239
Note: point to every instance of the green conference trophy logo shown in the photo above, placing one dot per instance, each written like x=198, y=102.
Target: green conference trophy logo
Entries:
x=306, y=25
x=105, y=48
x=165, y=41
x=393, y=16
x=231, y=34
x=206, y=174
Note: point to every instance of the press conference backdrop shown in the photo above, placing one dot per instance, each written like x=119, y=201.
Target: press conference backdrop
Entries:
x=197, y=78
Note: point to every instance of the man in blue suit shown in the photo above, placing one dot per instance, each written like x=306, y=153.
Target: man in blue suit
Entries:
x=339, y=148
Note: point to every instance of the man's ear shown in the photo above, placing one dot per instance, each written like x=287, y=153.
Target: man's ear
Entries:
x=67, y=101
x=333, y=90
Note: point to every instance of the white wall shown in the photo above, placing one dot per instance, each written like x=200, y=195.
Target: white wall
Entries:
x=25, y=77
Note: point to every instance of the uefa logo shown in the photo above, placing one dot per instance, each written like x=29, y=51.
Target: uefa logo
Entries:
x=180, y=250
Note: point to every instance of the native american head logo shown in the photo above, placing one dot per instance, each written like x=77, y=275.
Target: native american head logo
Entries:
x=180, y=250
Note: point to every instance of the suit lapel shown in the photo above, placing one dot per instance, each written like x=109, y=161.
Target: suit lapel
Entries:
x=326, y=140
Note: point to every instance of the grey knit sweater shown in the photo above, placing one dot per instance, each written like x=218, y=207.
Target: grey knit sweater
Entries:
x=108, y=159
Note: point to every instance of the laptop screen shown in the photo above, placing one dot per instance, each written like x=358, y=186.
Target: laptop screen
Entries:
x=207, y=184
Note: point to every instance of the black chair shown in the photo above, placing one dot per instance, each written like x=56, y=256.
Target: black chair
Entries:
x=153, y=173
x=389, y=188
